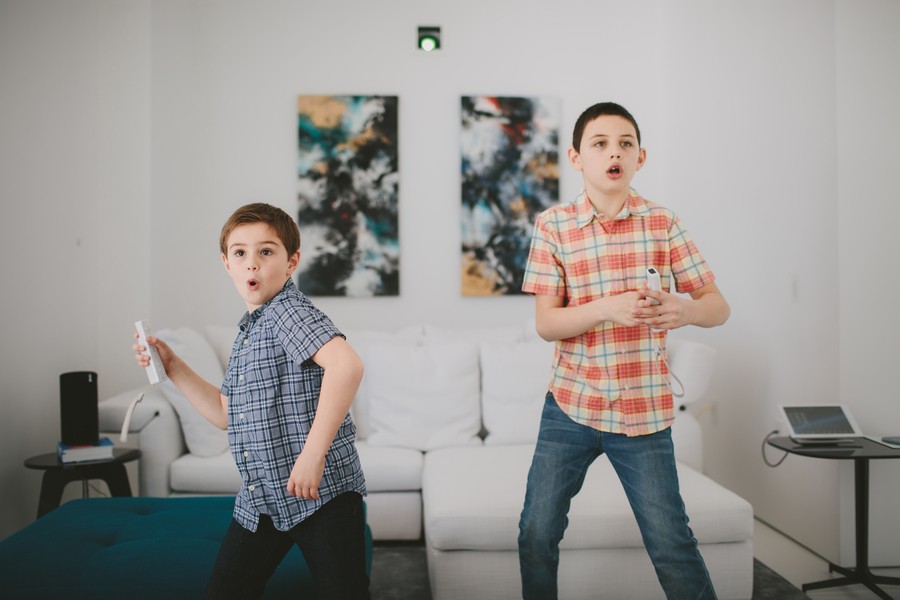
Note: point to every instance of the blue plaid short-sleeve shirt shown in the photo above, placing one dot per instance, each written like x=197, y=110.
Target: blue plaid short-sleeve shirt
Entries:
x=272, y=386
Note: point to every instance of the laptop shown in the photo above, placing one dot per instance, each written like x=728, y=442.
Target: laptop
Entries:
x=820, y=424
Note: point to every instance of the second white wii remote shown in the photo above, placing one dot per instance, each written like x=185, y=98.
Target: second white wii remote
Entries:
x=155, y=370
x=653, y=283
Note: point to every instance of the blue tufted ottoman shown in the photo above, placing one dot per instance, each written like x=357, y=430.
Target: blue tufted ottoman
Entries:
x=132, y=548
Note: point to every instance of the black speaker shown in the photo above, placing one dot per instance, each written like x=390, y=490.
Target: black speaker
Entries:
x=78, y=414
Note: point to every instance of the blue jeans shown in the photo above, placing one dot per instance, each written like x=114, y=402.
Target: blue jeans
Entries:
x=645, y=466
x=332, y=541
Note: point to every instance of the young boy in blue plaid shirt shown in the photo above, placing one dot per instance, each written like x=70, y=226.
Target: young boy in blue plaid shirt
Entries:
x=285, y=402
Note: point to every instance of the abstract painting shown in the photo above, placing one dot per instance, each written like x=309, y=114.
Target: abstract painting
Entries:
x=348, y=183
x=510, y=173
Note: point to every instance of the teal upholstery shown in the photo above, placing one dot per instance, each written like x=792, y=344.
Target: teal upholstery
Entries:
x=134, y=548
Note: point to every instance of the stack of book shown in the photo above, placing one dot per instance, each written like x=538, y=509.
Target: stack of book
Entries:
x=99, y=451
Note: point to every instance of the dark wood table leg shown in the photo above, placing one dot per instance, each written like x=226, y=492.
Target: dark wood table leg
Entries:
x=55, y=481
x=52, y=485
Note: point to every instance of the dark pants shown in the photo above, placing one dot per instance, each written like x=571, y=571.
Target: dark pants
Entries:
x=332, y=541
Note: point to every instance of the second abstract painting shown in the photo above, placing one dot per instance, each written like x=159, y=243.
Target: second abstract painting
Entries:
x=510, y=173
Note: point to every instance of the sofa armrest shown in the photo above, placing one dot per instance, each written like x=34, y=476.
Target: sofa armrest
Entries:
x=159, y=435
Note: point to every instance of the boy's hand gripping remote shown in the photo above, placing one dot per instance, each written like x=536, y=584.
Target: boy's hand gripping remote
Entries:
x=156, y=372
x=653, y=283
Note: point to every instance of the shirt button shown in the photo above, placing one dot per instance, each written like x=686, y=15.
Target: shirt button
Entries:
x=246, y=341
x=251, y=488
x=240, y=377
x=246, y=454
x=241, y=416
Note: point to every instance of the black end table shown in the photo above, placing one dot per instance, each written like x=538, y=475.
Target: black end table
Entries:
x=58, y=474
x=861, y=451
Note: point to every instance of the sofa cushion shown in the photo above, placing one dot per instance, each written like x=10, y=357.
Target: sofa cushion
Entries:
x=386, y=469
x=456, y=518
x=423, y=396
x=205, y=475
x=360, y=341
x=434, y=333
x=395, y=515
x=202, y=437
x=514, y=380
x=221, y=338
x=389, y=469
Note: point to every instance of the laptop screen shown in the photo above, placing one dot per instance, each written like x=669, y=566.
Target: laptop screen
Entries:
x=819, y=420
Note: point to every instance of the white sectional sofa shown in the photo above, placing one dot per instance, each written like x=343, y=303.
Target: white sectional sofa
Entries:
x=446, y=424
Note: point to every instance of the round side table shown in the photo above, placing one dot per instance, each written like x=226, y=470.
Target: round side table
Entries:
x=58, y=474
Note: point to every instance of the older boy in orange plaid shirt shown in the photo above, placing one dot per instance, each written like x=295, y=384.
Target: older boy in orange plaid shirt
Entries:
x=609, y=392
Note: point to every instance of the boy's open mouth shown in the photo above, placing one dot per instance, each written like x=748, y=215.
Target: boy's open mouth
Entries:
x=614, y=170
x=253, y=284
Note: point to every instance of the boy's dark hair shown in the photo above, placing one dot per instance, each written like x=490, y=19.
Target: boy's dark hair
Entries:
x=283, y=225
x=598, y=110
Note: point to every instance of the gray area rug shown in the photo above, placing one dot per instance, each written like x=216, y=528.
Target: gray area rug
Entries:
x=767, y=584
x=400, y=572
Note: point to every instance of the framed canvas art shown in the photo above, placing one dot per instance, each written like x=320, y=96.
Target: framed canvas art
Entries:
x=348, y=183
x=510, y=173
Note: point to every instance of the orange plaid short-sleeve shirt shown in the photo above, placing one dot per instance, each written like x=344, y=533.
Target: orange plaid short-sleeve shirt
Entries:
x=610, y=377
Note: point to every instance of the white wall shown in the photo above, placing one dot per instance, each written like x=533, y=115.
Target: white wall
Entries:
x=868, y=180
x=739, y=112
x=74, y=184
x=750, y=114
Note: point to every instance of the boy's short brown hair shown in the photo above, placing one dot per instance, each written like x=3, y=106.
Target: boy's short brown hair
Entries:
x=598, y=110
x=281, y=222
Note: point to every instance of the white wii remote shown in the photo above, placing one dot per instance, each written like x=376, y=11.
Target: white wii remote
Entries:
x=653, y=283
x=155, y=370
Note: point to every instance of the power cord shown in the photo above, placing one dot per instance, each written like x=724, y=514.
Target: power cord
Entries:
x=765, y=458
x=95, y=491
x=123, y=436
x=661, y=355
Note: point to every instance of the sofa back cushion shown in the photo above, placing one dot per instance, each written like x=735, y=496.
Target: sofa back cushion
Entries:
x=475, y=335
x=514, y=380
x=221, y=338
x=202, y=437
x=360, y=341
x=422, y=395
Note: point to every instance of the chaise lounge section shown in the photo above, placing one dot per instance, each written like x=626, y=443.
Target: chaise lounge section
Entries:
x=473, y=498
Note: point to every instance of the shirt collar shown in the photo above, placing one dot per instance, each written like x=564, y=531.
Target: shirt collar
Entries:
x=585, y=212
x=250, y=318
